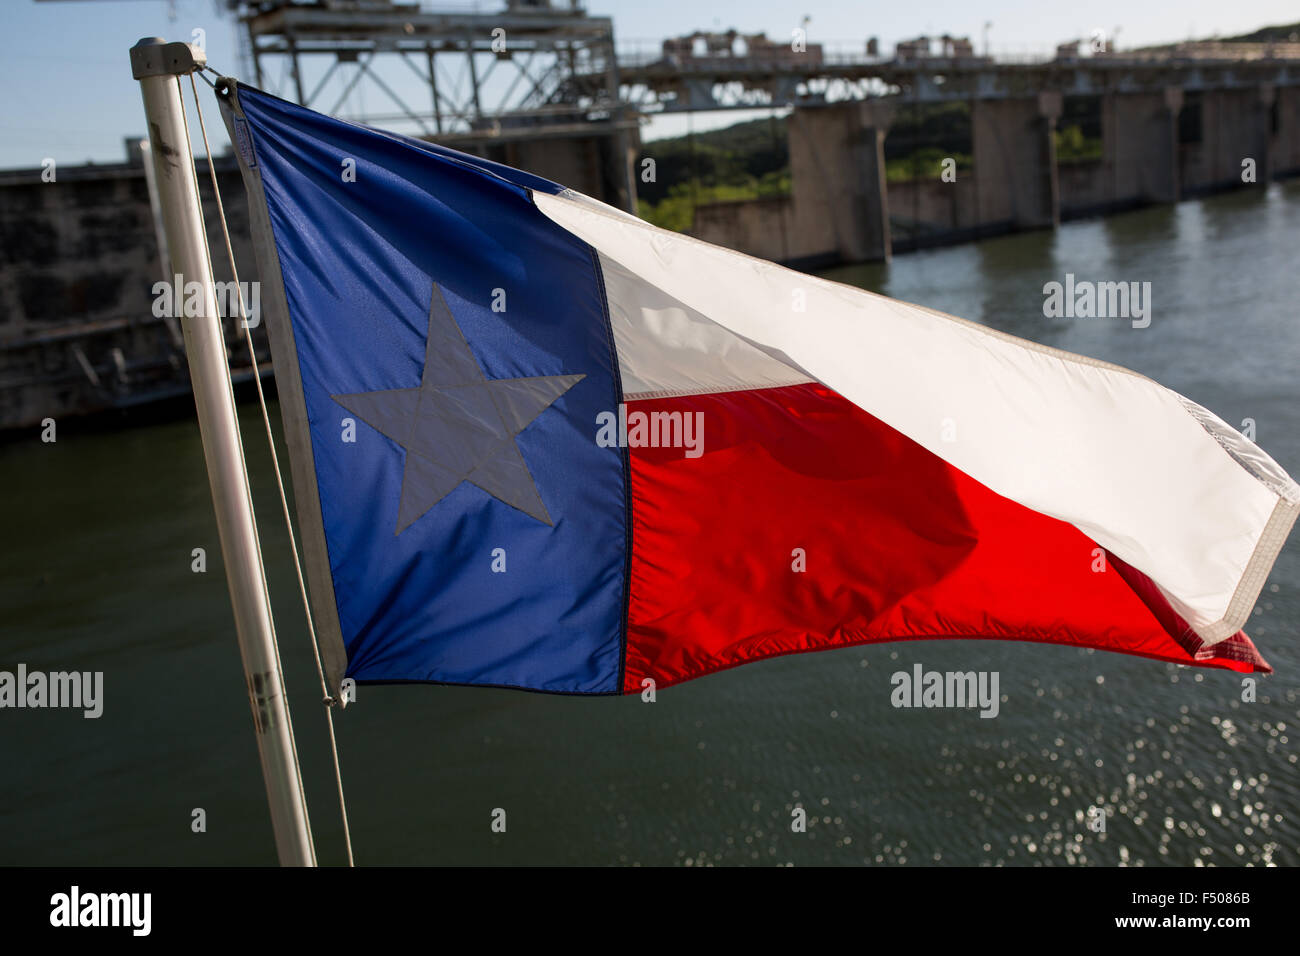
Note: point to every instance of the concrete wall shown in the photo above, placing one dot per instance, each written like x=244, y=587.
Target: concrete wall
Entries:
x=84, y=247
x=761, y=227
x=925, y=212
x=78, y=260
x=69, y=247
x=1086, y=187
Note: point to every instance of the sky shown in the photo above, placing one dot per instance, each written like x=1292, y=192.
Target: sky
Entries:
x=64, y=64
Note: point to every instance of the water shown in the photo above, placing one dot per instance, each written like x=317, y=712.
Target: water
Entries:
x=95, y=574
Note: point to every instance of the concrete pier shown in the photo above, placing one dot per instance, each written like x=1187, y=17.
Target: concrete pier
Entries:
x=837, y=166
x=1232, y=125
x=1016, y=185
x=1141, y=149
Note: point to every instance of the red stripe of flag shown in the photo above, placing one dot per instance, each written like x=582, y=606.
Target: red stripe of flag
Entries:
x=899, y=545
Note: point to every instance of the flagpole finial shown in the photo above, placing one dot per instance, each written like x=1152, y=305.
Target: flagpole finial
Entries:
x=154, y=56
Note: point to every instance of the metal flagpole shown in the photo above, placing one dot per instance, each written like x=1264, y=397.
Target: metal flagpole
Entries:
x=158, y=66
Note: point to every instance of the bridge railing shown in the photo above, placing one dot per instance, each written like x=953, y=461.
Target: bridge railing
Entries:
x=644, y=53
x=638, y=54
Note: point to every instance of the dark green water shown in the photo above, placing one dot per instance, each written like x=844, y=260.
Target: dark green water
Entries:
x=95, y=574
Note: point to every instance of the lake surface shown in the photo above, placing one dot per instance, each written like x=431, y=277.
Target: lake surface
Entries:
x=97, y=535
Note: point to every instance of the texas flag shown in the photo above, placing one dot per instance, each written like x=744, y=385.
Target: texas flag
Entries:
x=539, y=443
